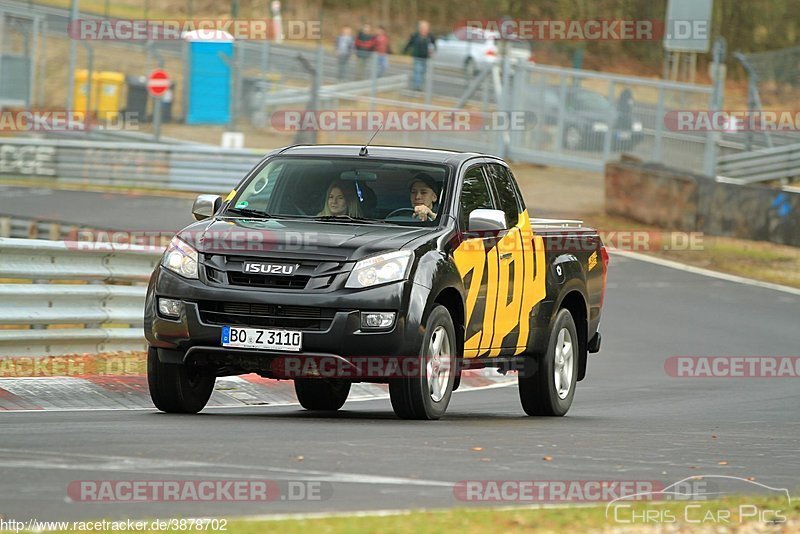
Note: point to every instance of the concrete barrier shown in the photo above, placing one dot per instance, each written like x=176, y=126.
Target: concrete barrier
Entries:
x=677, y=200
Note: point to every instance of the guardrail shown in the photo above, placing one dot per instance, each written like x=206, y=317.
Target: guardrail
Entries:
x=760, y=165
x=178, y=167
x=79, y=297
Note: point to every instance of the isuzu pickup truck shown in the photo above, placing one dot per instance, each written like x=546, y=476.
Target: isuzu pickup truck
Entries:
x=330, y=265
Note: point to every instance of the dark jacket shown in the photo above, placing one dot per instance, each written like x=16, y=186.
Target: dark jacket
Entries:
x=365, y=43
x=420, y=46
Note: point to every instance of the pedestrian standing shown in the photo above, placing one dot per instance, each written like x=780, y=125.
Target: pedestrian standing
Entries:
x=422, y=45
x=382, y=48
x=344, y=49
x=365, y=45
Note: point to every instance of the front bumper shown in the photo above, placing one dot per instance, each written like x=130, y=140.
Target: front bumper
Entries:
x=190, y=338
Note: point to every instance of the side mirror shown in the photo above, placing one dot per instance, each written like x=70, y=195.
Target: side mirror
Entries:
x=206, y=206
x=481, y=220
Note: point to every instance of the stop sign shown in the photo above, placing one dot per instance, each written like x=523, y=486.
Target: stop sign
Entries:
x=158, y=82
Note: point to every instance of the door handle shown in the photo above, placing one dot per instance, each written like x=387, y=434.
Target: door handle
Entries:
x=506, y=255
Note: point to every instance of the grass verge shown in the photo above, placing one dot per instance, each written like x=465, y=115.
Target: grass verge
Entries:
x=735, y=514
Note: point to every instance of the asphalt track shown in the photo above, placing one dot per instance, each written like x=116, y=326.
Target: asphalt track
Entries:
x=629, y=421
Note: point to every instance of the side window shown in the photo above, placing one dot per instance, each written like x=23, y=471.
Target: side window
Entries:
x=506, y=193
x=474, y=195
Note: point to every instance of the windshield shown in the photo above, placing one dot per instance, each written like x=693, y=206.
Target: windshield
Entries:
x=355, y=190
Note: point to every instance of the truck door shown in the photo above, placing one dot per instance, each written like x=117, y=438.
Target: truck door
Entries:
x=522, y=267
x=477, y=262
x=511, y=272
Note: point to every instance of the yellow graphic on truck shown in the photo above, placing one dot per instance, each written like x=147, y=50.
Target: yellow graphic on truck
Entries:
x=504, y=278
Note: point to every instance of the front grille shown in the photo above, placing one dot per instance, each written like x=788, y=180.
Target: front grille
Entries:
x=275, y=282
x=311, y=274
x=265, y=315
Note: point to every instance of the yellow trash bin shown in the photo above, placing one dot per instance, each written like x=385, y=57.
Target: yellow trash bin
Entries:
x=80, y=94
x=109, y=95
x=106, y=91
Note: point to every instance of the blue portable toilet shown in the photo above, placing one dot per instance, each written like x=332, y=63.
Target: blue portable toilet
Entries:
x=209, y=82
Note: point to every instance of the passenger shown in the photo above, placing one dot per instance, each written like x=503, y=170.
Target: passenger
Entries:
x=340, y=200
x=423, y=196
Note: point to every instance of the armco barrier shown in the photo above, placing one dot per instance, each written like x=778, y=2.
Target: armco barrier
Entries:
x=677, y=200
x=179, y=167
x=102, y=315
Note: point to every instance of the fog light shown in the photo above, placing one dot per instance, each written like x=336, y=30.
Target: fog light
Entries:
x=377, y=319
x=169, y=307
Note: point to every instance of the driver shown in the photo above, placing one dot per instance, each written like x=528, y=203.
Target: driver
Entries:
x=423, y=196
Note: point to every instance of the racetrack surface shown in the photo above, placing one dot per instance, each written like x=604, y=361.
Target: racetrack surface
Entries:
x=629, y=421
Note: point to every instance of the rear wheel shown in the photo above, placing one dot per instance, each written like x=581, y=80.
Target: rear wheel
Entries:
x=176, y=388
x=426, y=395
x=321, y=395
x=550, y=387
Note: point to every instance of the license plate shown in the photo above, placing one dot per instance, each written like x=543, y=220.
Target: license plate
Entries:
x=257, y=338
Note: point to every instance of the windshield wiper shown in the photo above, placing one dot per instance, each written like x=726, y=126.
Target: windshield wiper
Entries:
x=347, y=218
x=251, y=213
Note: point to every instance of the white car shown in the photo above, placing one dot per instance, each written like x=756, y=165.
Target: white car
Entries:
x=474, y=49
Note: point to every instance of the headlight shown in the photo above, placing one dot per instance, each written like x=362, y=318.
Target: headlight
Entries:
x=180, y=258
x=600, y=127
x=381, y=269
x=636, y=126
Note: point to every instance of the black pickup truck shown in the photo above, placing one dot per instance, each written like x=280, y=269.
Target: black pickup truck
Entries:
x=331, y=265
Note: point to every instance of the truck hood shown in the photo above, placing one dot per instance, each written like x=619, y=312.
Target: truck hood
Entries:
x=286, y=238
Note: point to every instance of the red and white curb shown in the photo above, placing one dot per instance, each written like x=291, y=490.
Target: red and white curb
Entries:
x=131, y=392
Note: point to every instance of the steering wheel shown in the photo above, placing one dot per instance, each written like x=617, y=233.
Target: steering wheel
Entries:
x=398, y=211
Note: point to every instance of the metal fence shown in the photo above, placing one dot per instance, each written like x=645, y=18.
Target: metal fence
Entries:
x=779, y=163
x=75, y=300
x=578, y=118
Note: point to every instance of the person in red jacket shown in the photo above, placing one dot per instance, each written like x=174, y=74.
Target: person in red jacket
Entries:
x=365, y=45
x=382, y=48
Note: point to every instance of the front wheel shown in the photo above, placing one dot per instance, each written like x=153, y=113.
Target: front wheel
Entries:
x=427, y=394
x=550, y=387
x=176, y=388
x=321, y=395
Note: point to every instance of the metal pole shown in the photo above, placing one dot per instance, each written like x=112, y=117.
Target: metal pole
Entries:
x=502, y=137
x=428, y=80
x=374, y=74
x=42, y=65
x=612, y=122
x=156, y=118
x=87, y=117
x=32, y=55
x=318, y=75
x=73, y=53
x=659, y=140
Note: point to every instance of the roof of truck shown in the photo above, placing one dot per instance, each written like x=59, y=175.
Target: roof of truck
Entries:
x=429, y=155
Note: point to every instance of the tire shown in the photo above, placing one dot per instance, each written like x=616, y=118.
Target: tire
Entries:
x=321, y=395
x=540, y=391
x=573, y=138
x=427, y=395
x=176, y=388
